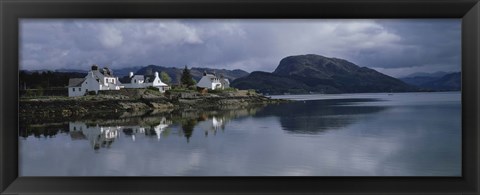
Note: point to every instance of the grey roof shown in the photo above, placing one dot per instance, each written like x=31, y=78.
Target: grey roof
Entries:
x=146, y=78
x=98, y=74
x=149, y=78
x=75, y=82
x=225, y=81
x=139, y=77
x=210, y=76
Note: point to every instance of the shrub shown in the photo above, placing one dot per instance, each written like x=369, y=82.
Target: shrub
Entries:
x=152, y=88
x=91, y=93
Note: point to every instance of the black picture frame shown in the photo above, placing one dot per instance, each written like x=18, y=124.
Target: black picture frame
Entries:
x=12, y=10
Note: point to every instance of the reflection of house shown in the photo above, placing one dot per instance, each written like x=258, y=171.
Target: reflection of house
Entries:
x=157, y=129
x=217, y=123
x=211, y=81
x=103, y=136
x=98, y=136
x=132, y=130
x=77, y=135
x=144, y=81
x=161, y=127
x=95, y=80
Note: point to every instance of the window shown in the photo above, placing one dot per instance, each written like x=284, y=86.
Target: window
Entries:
x=79, y=89
x=135, y=80
x=73, y=89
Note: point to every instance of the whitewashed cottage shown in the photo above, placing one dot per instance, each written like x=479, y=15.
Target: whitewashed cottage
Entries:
x=95, y=80
x=211, y=81
x=144, y=81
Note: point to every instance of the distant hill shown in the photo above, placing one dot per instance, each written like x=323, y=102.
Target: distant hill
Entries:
x=117, y=72
x=418, y=80
x=66, y=70
x=197, y=73
x=266, y=82
x=315, y=73
x=125, y=71
x=437, y=74
x=59, y=78
x=447, y=82
x=45, y=79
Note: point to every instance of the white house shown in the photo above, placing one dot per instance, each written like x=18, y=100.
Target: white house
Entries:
x=95, y=80
x=144, y=81
x=211, y=81
x=225, y=83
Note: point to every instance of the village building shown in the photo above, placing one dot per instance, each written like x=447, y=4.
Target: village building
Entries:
x=211, y=81
x=96, y=80
x=144, y=81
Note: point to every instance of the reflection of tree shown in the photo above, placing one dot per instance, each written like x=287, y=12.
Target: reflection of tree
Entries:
x=45, y=130
x=316, y=116
x=187, y=128
x=150, y=125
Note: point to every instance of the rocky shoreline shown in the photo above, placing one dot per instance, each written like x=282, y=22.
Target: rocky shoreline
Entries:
x=143, y=101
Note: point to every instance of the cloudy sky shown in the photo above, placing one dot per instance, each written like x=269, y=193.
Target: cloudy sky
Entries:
x=394, y=47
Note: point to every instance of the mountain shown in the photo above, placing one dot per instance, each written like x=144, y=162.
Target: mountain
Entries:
x=197, y=73
x=45, y=79
x=446, y=82
x=418, y=80
x=231, y=75
x=125, y=71
x=71, y=70
x=121, y=72
x=270, y=83
x=315, y=73
x=174, y=73
x=449, y=82
x=437, y=74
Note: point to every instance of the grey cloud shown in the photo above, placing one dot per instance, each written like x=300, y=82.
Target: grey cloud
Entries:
x=246, y=44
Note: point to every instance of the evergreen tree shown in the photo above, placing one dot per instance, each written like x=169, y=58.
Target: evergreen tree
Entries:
x=186, y=78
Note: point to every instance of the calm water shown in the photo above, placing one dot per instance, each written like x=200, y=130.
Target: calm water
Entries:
x=409, y=134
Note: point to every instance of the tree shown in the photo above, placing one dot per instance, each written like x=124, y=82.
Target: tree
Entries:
x=187, y=79
x=165, y=78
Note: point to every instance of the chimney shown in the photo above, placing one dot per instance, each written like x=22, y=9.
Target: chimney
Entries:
x=204, y=73
x=130, y=75
x=94, y=67
x=156, y=74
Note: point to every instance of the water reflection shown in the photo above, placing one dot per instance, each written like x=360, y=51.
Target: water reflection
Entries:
x=101, y=136
x=300, y=117
x=400, y=135
x=103, y=133
x=316, y=116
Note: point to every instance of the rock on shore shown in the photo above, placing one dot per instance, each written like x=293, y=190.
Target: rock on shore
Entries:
x=108, y=105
